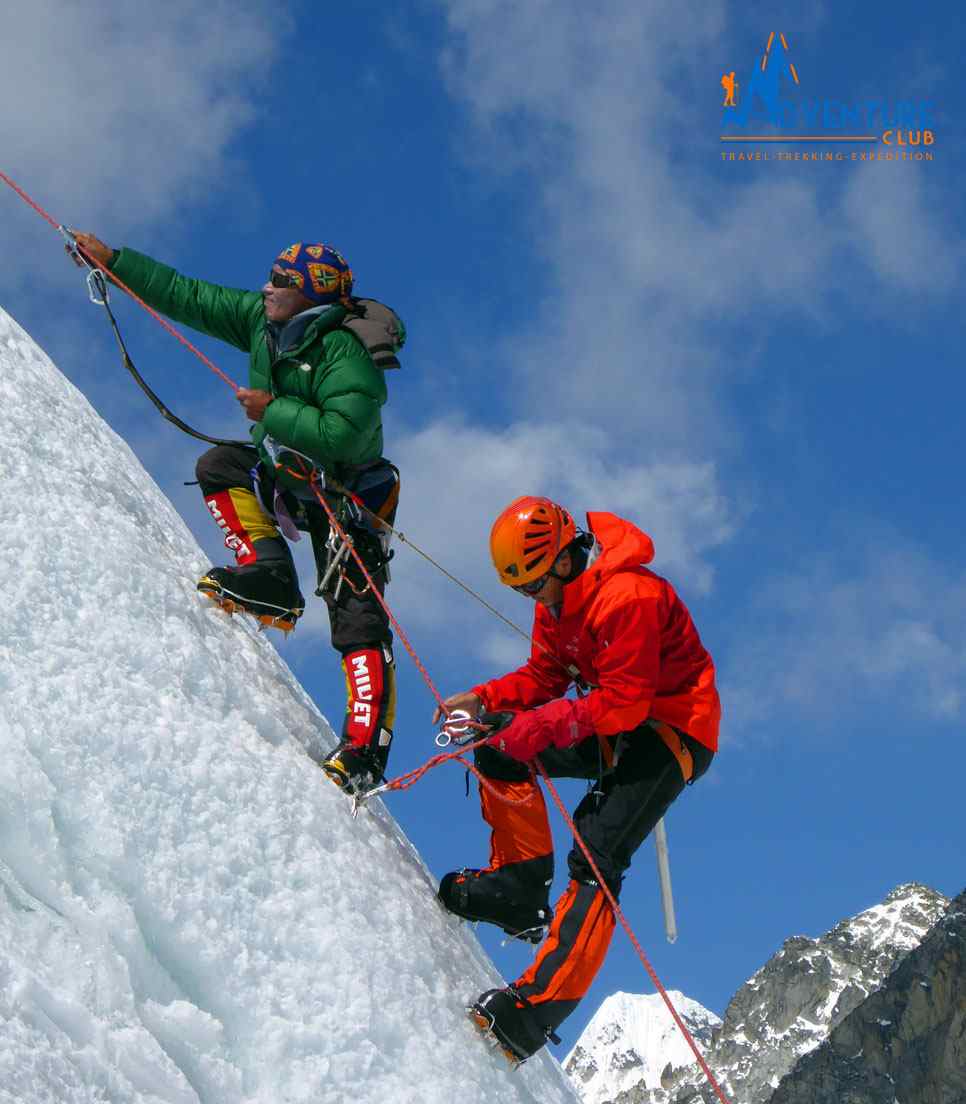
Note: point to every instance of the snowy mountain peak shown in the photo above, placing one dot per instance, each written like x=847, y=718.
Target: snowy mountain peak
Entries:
x=188, y=913
x=899, y=922
x=631, y=1039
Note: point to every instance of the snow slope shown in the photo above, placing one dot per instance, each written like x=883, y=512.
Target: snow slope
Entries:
x=186, y=911
x=631, y=1039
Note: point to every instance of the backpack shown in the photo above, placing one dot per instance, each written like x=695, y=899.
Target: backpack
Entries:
x=379, y=329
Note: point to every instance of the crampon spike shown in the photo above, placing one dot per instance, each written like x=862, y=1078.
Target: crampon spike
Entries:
x=527, y=935
x=285, y=623
x=484, y=1024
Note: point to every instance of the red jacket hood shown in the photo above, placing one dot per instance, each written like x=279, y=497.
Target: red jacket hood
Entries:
x=622, y=546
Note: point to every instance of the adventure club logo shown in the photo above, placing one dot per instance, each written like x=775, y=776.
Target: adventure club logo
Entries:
x=767, y=115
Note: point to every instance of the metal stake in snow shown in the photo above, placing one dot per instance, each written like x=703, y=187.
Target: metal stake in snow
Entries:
x=664, y=873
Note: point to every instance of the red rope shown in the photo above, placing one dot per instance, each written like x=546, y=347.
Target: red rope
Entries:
x=313, y=479
x=630, y=932
x=162, y=321
x=412, y=777
x=26, y=198
x=120, y=283
x=404, y=781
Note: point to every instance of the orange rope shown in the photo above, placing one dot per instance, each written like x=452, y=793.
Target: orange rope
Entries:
x=406, y=780
x=222, y=375
x=334, y=522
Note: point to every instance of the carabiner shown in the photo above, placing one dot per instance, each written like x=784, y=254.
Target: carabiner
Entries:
x=460, y=727
x=97, y=287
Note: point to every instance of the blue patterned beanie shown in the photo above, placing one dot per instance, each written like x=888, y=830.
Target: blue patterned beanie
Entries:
x=320, y=271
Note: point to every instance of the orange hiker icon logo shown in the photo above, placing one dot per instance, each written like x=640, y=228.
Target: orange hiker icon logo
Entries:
x=730, y=85
x=763, y=88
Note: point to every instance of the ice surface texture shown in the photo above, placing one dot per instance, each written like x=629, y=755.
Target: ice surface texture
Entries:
x=187, y=911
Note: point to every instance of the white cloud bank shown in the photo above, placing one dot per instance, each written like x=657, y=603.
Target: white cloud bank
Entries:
x=117, y=116
x=663, y=286
x=888, y=633
x=654, y=260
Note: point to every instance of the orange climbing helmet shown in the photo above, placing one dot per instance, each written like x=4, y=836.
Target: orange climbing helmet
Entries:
x=527, y=537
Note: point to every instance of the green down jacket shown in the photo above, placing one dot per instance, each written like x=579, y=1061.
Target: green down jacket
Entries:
x=328, y=392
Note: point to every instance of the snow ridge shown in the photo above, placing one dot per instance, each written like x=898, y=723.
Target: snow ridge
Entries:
x=185, y=911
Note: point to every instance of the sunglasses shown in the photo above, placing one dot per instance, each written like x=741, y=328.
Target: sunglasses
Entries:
x=283, y=280
x=533, y=588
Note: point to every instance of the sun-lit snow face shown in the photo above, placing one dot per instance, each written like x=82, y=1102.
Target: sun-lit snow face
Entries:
x=171, y=870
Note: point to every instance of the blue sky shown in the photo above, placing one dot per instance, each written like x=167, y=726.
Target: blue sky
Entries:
x=756, y=362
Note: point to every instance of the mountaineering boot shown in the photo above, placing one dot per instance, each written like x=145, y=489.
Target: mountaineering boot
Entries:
x=267, y=589
x=358, y=763
x=506, y=1018
x=355, y=769
x=485, y=895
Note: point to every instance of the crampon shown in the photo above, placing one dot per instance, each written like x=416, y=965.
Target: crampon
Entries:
x=267, y=615
x=484, y=1024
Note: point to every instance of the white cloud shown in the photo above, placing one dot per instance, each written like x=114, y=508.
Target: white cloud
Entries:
x=888, y=634
x=666, y=278
x=456, y=478
x=117, y=116
x=896, y=226
x=655, y=262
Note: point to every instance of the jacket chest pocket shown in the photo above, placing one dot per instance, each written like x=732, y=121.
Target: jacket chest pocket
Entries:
x=585, y=654
x=573, y=644
x=294, y=376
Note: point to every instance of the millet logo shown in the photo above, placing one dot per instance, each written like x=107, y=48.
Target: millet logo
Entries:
x=361, y=691
x=770, y=107
x=232, y=540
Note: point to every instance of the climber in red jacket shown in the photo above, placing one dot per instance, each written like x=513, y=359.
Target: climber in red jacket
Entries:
x=644, y=725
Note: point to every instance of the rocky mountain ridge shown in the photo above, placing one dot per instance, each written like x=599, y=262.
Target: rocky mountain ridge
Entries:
x=906, y=1042
x=789, y=1006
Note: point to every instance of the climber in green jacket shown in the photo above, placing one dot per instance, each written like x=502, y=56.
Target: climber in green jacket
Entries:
x=315, y=393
